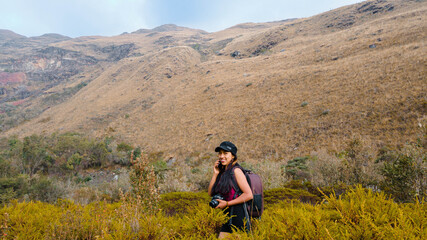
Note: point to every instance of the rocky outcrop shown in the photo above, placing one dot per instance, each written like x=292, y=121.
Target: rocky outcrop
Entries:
x=7, y=78
x=38, y=62
x=118, y=52
x=165, y=40
x=31, y=74
x=12, y=86
x=356, y=14
x=342, y=22
x=49, y=64
x=375, y=7
x=262, y=48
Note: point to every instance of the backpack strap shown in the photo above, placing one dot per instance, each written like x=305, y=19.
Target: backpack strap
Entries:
x=236, y=194
x=234, y=180
x=248, y=219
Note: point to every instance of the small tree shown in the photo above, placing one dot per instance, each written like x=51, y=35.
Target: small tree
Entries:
x=144, y=184
x=143, y=199
x=358, y=165
x=404, y=173
x=35, y=155
x=297, y=168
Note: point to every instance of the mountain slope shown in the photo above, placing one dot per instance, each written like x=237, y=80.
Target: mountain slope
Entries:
x=277, y=90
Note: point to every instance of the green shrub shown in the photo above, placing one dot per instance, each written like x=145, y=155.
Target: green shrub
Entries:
x=297, y=168
x=35, y=155
x=124, y=147
x=8, y=188
x=74, y=161
x=137, y=152
x=45, y=190
x=6, y=168
x=88, y=153
x=277, y=195
x=181, y=202
x=98, y=155
x=13, y=188
x=160, y=167
x=404, y=173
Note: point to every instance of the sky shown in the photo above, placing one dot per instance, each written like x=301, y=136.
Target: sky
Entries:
x=75, y=18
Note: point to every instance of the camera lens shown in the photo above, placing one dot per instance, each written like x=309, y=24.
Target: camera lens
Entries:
x=214, y=203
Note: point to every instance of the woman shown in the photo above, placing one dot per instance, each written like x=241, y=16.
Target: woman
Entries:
x=225, y=169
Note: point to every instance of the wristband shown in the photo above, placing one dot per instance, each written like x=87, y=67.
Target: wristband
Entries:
x=227, y=204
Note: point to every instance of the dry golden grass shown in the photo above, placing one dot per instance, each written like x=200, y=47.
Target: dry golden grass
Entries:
x=170, y=98
x=358, y=214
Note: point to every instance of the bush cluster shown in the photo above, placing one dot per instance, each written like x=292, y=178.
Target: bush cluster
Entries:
x=358, y=214
x=398, y=172
x=308, y=197
x=37, y=167
x=62, y=166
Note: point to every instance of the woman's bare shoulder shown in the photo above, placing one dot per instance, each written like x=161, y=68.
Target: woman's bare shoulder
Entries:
x=238, y=170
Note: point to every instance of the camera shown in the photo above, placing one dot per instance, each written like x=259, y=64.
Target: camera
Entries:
x=214, y=203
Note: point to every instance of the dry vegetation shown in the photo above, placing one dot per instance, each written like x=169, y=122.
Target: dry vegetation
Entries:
x=303, y=212
x=330, y=101
x=317, y=86
x=360, y=214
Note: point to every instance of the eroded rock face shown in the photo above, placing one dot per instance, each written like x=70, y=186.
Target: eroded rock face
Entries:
x=12, y=84
x=39, y=70
x=7, y=78
x=47, y=64
x=376, y=7
x=118, y=52
x=31, y=67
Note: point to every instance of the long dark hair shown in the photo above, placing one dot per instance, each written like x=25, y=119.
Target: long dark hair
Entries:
x=224, y=182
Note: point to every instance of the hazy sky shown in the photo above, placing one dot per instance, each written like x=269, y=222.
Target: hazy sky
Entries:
x=76, y=18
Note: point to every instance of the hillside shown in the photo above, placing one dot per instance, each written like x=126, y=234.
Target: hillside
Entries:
x=278, y=89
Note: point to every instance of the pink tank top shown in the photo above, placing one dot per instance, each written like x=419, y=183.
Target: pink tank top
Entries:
x=230, y=195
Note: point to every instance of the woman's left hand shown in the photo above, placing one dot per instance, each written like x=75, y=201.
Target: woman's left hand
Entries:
x=222, y=204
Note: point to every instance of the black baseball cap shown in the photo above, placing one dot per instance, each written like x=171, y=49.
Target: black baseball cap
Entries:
x=228, y=147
